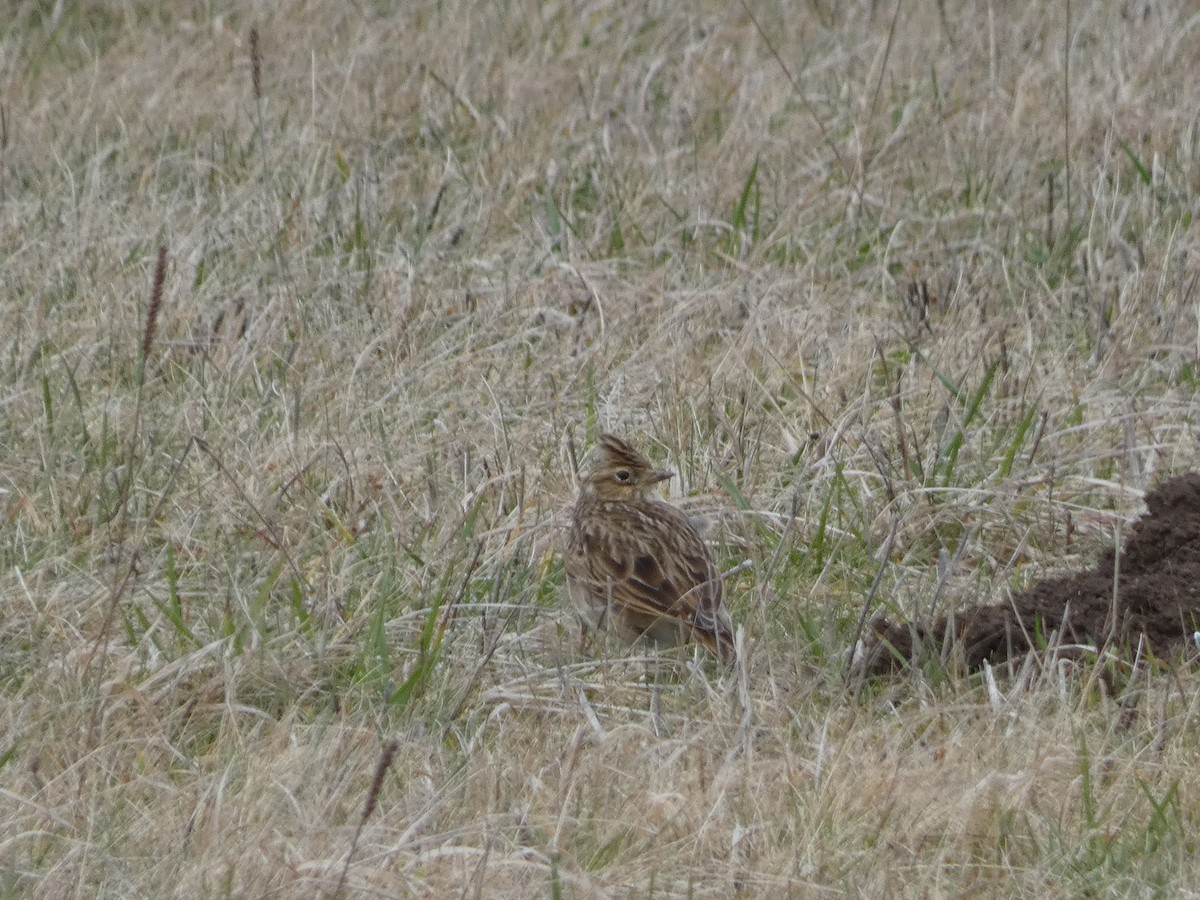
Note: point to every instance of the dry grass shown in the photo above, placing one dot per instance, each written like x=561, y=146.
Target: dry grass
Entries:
x=438, y=251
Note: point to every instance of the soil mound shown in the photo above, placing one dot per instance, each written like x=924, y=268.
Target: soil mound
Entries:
x=1158, y=596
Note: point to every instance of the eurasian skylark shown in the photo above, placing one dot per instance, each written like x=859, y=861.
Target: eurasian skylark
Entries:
x=637, y=565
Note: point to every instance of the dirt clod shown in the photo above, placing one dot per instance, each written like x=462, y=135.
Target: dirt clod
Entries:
x=1158, y=597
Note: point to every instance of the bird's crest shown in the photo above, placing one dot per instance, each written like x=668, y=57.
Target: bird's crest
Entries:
x=615, y=452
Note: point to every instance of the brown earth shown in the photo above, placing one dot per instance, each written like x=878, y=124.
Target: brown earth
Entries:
x=1158, y=597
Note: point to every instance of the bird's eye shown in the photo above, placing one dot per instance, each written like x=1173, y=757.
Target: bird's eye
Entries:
x=623, y=475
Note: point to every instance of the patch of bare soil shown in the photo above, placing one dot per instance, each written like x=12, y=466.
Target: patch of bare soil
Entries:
x=1158, y=597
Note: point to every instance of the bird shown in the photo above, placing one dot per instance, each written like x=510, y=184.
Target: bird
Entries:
x=638, y=566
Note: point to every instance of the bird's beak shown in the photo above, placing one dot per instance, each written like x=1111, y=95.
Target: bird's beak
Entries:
x=661, y=476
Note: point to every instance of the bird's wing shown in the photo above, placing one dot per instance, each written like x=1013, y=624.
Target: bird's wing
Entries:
x=662, y=570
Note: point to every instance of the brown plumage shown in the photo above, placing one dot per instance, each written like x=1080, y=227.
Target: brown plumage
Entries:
x=638, y=565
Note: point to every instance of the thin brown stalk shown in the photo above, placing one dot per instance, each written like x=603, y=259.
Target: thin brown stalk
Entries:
x=156, y=293
x=255, y=65
x=256, y=85
x=3, y=147
x=385, y=762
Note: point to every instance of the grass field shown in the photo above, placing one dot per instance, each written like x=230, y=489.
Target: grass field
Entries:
x=905, y=293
